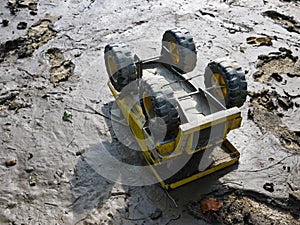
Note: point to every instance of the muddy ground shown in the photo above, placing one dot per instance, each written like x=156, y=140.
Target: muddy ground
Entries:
x=51, y=61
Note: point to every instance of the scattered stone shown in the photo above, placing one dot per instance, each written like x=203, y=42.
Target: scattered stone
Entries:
x=22, y=26
x=17, y=104
x=285, y=103
x=269, y=187
x=30, y=156
x=33, y=13
x=11, y=205
x=157, y=214
x=11, y=162
x=29, y=169
x=5, y=23
x=78, y=153
x=257, y=74
x=277, y=77
x=14, y=6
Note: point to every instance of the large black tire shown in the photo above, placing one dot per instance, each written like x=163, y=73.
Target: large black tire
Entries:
x=159, y=107
x=181, y=51
x=120, y=65
x=225, y=79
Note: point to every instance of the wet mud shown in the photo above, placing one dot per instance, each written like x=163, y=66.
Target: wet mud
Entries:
x=44, y=171
x=268, y=107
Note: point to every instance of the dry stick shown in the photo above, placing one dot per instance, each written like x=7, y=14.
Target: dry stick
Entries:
x=96, y=112
x=134, y=219
x=52, y=204
x=81, y=220
x=105, y=116
x=170, y=197
x=71, y=142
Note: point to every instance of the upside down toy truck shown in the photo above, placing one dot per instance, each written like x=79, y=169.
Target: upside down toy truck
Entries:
x=180, y=127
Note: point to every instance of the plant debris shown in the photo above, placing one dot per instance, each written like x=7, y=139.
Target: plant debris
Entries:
x=67, y=116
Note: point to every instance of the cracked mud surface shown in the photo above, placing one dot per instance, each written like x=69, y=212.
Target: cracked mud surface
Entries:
x=55, y=64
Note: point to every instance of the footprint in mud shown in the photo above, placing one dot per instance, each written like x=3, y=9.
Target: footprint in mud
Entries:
x=267, y=110
x=287, y=22
x=61, y=69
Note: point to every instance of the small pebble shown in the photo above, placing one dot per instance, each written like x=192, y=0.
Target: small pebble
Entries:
x=29, y=169
x=22, y=26
x=269, y=187
x=11, y=162
x=5, y=23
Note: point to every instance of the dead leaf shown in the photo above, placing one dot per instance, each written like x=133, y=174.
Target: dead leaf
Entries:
x=210, y=205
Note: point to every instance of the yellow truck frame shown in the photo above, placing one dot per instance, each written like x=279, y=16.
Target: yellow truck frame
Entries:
x=156, y=153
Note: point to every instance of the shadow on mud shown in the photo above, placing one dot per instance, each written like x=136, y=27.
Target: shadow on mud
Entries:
x=102, y=178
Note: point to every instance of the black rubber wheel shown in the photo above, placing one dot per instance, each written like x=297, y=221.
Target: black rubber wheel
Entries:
x=225, y=79
x=159, y=107
x=120, y=65
x=181, y=51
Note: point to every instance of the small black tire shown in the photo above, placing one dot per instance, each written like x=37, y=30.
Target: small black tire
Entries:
x=120, y=65
x=181, y=51
x=159, y=107
x=225, y=80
